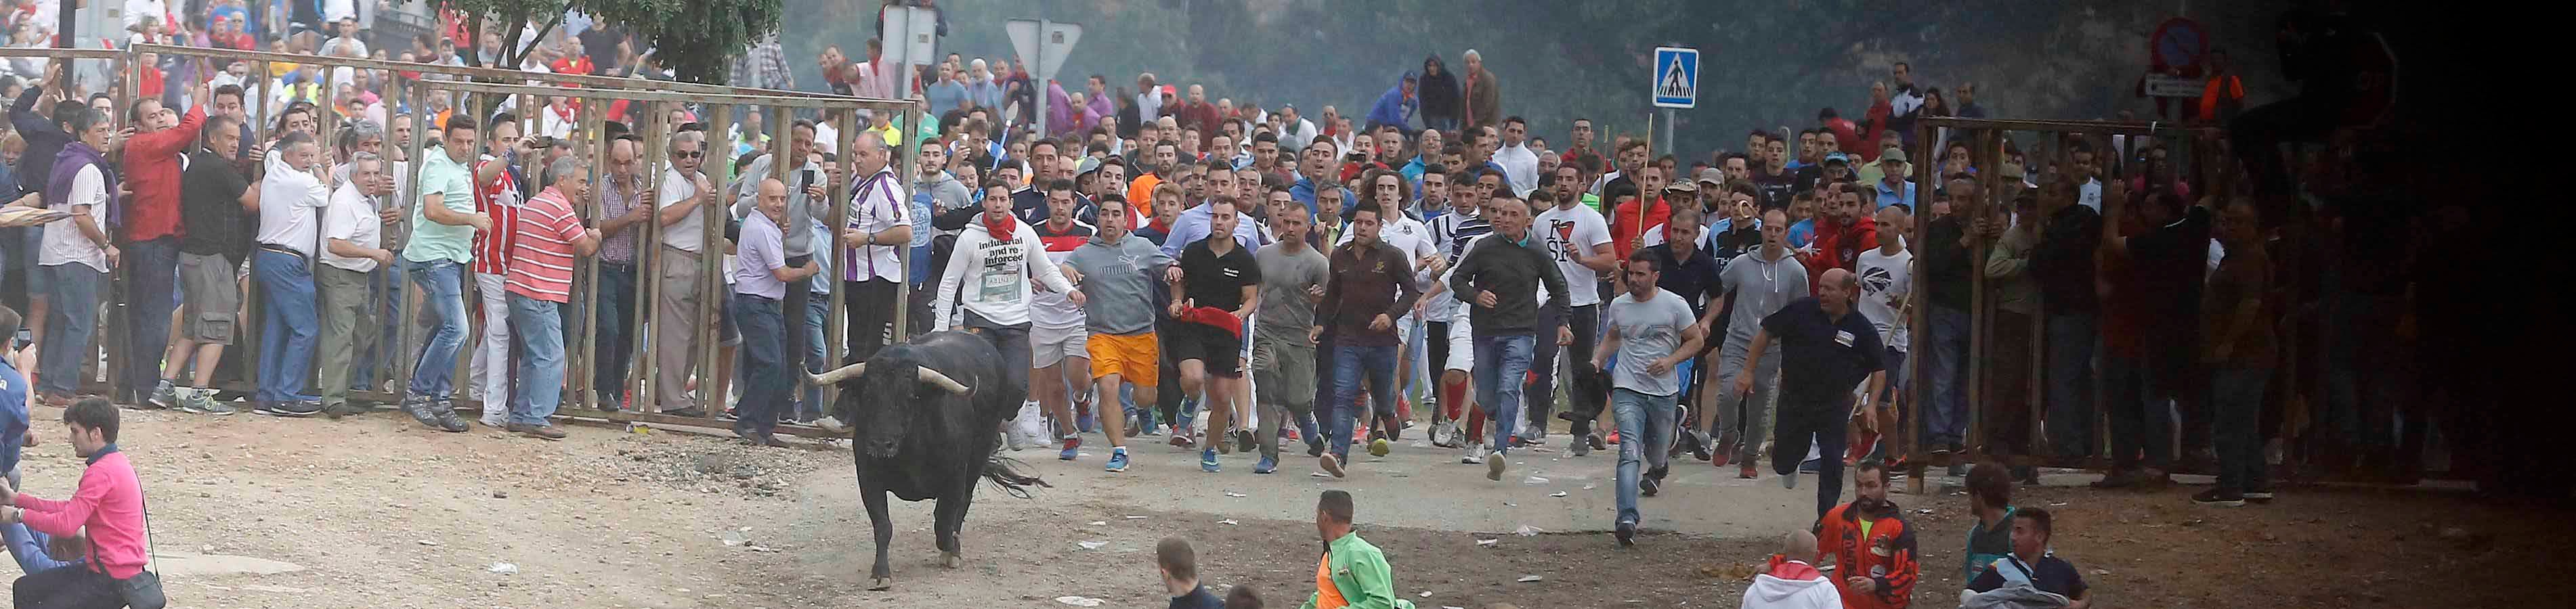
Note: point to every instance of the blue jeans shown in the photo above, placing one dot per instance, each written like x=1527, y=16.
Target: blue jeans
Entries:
x=2236, y=426
x=151, y=292
x=288, y=323
x=538, y=327
x=764, y=375
x=2141, y=416
x=1352, y=364
x=1946, y=421
x=817, y=308
x=1646, y=433
x=443, y=295
x=2070, y=372
x=616, y=344
x=1501, y=361
x=71, y=293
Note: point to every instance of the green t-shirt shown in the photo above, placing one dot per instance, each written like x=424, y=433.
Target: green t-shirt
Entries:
x=454, y=183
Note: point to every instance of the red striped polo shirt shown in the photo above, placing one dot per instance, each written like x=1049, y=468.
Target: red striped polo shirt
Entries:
x=541, y=255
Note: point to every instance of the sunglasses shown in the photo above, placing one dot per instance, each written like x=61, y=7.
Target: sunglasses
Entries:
x=689, y=155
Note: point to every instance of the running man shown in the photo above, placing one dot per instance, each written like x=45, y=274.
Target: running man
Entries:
x=1120, y=270
x=1214, y=291
x=1056, y=326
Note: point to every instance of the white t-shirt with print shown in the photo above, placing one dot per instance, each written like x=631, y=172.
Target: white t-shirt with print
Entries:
x=1579, y=226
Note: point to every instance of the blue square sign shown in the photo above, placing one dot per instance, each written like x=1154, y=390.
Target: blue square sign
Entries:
x=1676, y=80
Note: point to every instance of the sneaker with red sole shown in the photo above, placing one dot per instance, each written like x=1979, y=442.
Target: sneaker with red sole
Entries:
x=1747, y=473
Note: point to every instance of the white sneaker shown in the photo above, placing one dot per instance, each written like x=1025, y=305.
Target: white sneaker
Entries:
x=1474, y=454
x=1494, y=464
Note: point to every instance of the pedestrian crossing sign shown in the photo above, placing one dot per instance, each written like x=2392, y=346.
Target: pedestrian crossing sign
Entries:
x=1676, y=78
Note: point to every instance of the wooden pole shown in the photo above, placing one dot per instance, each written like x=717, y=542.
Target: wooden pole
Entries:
x=1920, y=321
x=835, y=326
x=711, y=285
x=585, y=354
x=656, y=127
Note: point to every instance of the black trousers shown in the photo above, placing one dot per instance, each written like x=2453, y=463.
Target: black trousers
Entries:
x=792, y=311
x=74, y=587
x=872, y=304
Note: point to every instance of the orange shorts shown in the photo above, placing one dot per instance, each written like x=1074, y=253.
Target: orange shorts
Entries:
x=1132, y=357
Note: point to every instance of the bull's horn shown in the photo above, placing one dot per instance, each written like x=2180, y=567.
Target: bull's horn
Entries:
x=835, y=376
x=935, y=378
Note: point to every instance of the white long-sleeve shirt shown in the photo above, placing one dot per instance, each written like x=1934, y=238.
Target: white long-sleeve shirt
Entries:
x=994, y=276
x=1520, y=166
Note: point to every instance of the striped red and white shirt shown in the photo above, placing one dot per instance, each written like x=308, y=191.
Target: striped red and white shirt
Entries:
x=541, y=256
x=498, y=198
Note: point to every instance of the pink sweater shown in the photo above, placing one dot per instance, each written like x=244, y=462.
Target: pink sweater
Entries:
x=110, y=503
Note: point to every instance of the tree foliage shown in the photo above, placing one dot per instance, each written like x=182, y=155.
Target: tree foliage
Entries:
x=1764, y=65
x=697, y=39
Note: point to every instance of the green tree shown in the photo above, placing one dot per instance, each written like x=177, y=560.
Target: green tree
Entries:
x=697, y=39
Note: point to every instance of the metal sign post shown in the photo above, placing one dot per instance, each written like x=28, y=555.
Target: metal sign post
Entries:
x=1044, y=44
x=912, y=40
x=1674, y=84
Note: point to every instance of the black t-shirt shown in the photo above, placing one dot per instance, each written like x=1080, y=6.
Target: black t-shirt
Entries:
x=2052, y=575
x=2169, y=262
x=1217, y=281
x=1694, y=279
x=1822, y=359
x=1773, y=190
x=211, y=217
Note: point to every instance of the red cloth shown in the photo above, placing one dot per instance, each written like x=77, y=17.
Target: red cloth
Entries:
x=577, y=64
x=1784, y=567
x=1201, y=116
x=1877, y=120
x=1212, y=316
x=152, y=172
x=1625, y=228
x=109, y=502
x=1005, y=229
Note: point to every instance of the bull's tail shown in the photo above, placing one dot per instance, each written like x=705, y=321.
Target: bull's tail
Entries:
x=1004, y=472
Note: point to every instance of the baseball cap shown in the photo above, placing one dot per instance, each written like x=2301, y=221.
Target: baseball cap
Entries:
x=1837, y=157
x=1087, y=165
x=1892, y=154
x=1712, y=176
x=1681, y=186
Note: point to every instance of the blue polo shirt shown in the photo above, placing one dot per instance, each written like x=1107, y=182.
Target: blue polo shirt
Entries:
x=1887, y=196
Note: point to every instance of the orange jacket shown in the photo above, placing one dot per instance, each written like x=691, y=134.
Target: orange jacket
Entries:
x=2223, y=87
x=1885, y=555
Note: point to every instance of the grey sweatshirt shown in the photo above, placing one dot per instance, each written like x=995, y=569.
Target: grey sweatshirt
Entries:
x=1759, y=288
x=1118, y=283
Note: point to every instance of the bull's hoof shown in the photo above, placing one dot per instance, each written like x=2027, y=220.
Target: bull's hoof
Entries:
x=882, y=584
x=951, y=560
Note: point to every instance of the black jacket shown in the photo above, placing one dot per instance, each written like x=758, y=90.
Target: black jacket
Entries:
x=1513, y=272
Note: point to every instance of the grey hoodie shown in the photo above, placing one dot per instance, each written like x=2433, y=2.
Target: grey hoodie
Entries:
x=1118, y=282
x=1758, y=287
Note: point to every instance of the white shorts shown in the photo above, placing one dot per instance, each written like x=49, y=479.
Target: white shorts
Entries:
x=1462, y=345
x=1048, y=347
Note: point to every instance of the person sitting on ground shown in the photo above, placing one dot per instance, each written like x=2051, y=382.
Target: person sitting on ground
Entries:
x=1791, y=583
x=108, y=505
x=1243, y=597
x=1179, y=565
x=2030, y=567
x=1352, y=573
x=1990, y=500
x=38, y=552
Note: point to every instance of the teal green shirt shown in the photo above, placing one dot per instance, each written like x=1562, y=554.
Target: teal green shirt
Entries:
x=1360, y=572
x=453, y=182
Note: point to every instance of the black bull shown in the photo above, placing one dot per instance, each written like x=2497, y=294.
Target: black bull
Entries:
x=925, y=416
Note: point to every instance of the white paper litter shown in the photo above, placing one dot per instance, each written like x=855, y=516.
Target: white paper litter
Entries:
x=1588, y=487
x=1556, y=494
x=1528, y=531
x=426, y=542
x=1100, y=523
x=1488, y=542
x=1236, y=495
x=1530, y=578
x=1135, y=517
x=1078, y=601
x=503, y=568
x=1424, y=594
x=1092, y=545
x=1228, y=521
x=1534, y=480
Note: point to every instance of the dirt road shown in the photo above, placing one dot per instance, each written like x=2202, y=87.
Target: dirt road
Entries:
x=250, y=511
